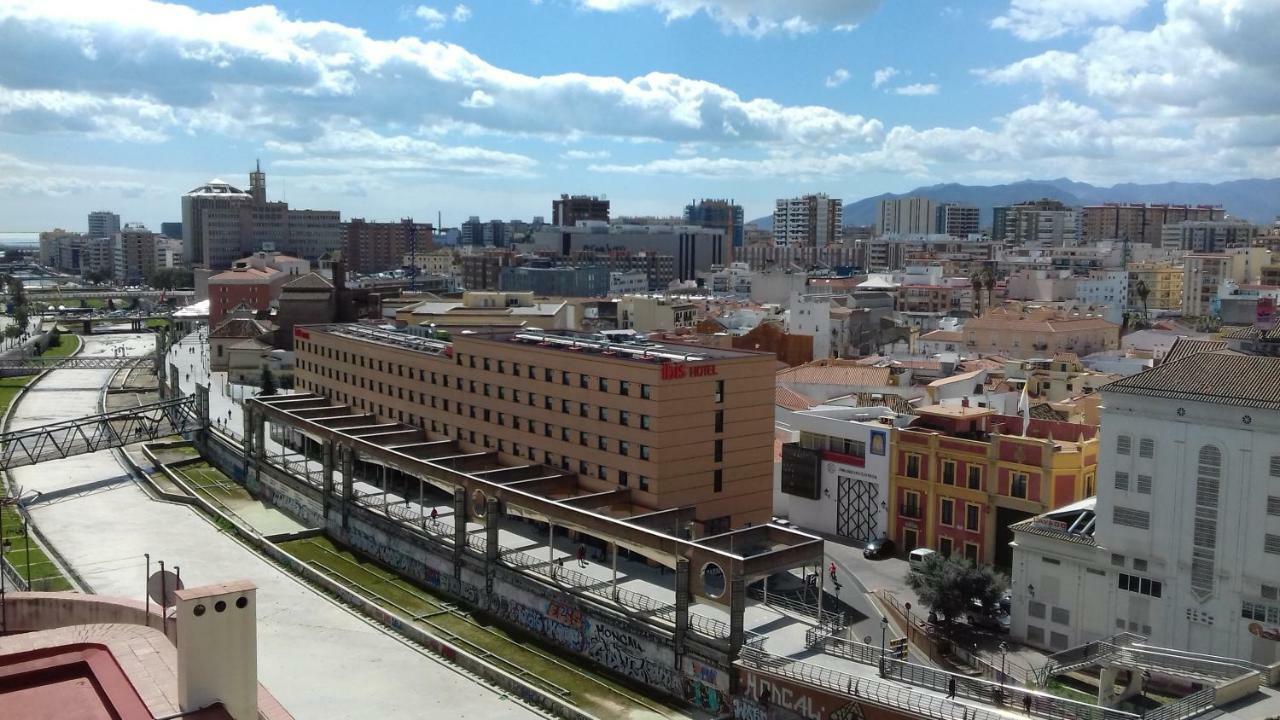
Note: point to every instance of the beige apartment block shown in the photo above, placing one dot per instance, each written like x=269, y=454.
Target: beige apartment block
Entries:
x=1039, y=332
x=683, y=425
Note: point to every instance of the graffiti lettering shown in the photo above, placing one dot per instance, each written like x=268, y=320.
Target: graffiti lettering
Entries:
x=748, y=709
x=564, y=614
x=622, y=652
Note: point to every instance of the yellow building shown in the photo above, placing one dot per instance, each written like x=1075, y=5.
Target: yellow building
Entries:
x=1164, y=285
x=960, y=476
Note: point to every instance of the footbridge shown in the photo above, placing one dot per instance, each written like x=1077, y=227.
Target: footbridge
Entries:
x=98, y=432
x=32, y=365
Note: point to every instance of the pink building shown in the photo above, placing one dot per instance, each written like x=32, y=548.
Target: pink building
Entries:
x=254, y=281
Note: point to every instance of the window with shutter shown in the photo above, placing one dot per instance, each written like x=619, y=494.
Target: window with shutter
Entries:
x=1146, y=448
x=1122, y=481
x=1144, y=484
x=1123, y=443
x=1129, y=517
x=1273, y=504
x=1204, y=535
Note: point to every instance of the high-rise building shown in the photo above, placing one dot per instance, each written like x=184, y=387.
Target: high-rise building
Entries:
x=135, y=255
x=569, y=209
x=814, y=220
x=103, y=223
x=723, y=214
x=907, y=216
x=171, y=230
x=1138, y=222
x=694, y=248
x=1206, y=236
x=957, y=219
x=222, y=223
x=371, y=247
x=213, y=195
x=1042, y=223
x=999, y=222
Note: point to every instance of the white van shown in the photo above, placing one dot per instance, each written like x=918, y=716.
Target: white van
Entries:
x=918, y=556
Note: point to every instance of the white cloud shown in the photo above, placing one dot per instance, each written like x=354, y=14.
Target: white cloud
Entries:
x=838, y=78
x=1044, y=19
x=1217, y=57
x=478, y=99
x=882, y=76
x=586, y=155
x=431, y=16
x=756, y=18
x=461, y=13
x=917, y=89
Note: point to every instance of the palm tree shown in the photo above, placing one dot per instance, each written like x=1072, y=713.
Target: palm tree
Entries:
x=975, y=282
x=989, y=281
x=1143, y=291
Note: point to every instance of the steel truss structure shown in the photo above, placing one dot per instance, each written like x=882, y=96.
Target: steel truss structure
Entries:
x=38, y=364
x=98, y=432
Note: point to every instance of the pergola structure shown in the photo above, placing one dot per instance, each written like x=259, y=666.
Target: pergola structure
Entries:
x=484, y=490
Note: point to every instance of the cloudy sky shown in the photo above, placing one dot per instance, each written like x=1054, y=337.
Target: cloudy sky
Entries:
x=490, y=107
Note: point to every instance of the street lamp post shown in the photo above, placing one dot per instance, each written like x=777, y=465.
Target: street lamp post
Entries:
x=884, y=628
x=908, y=608
x=1004, y=650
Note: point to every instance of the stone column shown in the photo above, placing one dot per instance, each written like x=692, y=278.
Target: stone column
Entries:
x=348, y=477
x=459, y=528
x=737, y=612
x=682, y=605
x=491, y=523
x=327, y=450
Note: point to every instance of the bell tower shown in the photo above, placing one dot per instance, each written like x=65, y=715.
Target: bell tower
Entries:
x=258, y=184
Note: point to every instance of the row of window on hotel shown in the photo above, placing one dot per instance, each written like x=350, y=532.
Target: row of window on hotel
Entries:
x=531, y=371
x=584, y=468
x=603, y=413
x=946, y=512
x=1017, y=484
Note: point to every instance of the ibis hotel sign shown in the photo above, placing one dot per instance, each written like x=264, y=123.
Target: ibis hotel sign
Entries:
x=680, y=371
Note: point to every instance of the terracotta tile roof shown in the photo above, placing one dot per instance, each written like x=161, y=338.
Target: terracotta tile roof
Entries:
x=310, y=281
x=835, y=372
x=1183, y=347
x=1040, y=320
x=790, y=399
x=943, y=336
x=1252, y=333
x=1220, y=378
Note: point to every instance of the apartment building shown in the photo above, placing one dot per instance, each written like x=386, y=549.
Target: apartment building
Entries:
x=373, y=247
x=1182, y=543
x=1041, y=223
x=134, y=251
x=1204, y=274
x=1138, y=222
x=958, y=220
x=694, y=249
x=1036, y=332
x=961, y=475
x=103, y=223
x=1163, y=282
x=569, y=210
x=907, y=216
x=812, y=220
x=254, y=282
x=683, y=425
x=723, y=214
x=1207, y=236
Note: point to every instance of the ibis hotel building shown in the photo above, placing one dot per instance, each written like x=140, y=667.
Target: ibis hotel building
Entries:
x=682, y=425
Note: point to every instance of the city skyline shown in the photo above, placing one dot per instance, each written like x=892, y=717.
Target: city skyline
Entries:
x=469, y=109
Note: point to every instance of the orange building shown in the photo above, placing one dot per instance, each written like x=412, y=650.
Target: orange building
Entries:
x=960, y=476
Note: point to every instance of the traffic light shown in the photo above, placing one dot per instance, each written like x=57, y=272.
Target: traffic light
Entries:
x=898, y=648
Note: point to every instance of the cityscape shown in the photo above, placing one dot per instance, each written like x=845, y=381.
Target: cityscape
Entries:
x=409, y=361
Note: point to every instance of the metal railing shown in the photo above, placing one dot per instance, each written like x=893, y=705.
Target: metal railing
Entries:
x=847, y=649
x=799, y=607
x=1084, y=655
x=1187, y=707
x=865, y=690
x=1041, y=704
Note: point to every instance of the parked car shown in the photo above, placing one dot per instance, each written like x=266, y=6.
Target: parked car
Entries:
x=878, y=548
x=919, y=555
x=992, y=619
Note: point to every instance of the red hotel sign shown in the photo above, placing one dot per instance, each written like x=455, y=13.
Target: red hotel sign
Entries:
x=676, y=371
x=299, y=332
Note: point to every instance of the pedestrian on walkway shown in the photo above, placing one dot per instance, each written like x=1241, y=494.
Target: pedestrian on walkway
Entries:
x=434, y=514
x=1026, y=703
x=951, y=686
x=582, y=555
x=832, y=570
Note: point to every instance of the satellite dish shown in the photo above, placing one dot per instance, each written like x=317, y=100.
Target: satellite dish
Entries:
x=161, y=587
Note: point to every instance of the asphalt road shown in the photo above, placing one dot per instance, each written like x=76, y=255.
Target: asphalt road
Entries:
x=319, y=660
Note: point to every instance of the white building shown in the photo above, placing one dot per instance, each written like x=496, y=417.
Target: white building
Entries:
x=808, y=220
x=1107, y=289
x=835, y=478
x=811, y=315
x=1183, y=543
x=626, y=283
x=103, y=223
x=907, y=216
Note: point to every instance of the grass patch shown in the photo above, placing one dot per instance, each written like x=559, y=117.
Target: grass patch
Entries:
x=67, y=345
x=1068, y=692
x=539, y=666
x=9, y=389
x=154, y=323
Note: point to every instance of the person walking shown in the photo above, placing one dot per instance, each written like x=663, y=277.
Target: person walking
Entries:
x=582, y=555
x=434, y=514
x=1026, y=703
x=951, y=686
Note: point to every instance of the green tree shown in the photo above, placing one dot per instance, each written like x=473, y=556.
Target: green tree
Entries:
x=948, y=587
x=267, y=386
x=170, y=278
x=12, y=331
x=1143, y=292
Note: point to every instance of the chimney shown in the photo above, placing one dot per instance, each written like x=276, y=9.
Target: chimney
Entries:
x=218, y=648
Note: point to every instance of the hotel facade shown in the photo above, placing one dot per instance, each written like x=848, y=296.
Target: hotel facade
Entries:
x=682, y=425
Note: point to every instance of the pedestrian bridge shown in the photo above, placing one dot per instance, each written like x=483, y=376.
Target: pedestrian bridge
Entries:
x=32, y=365
x=98, y=432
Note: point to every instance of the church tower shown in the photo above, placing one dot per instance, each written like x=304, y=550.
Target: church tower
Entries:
x=258, y=184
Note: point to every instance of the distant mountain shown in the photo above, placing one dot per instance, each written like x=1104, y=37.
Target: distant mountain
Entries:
x=1254, y=200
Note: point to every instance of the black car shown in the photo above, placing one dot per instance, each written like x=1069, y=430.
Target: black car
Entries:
x=878, y=548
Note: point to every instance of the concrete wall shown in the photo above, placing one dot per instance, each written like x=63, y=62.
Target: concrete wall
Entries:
x=629, y=648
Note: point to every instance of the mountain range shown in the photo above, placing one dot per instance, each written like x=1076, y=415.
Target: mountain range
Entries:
x=1255, y=200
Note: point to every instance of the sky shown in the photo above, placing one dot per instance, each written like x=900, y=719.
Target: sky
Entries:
x=386, y=110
